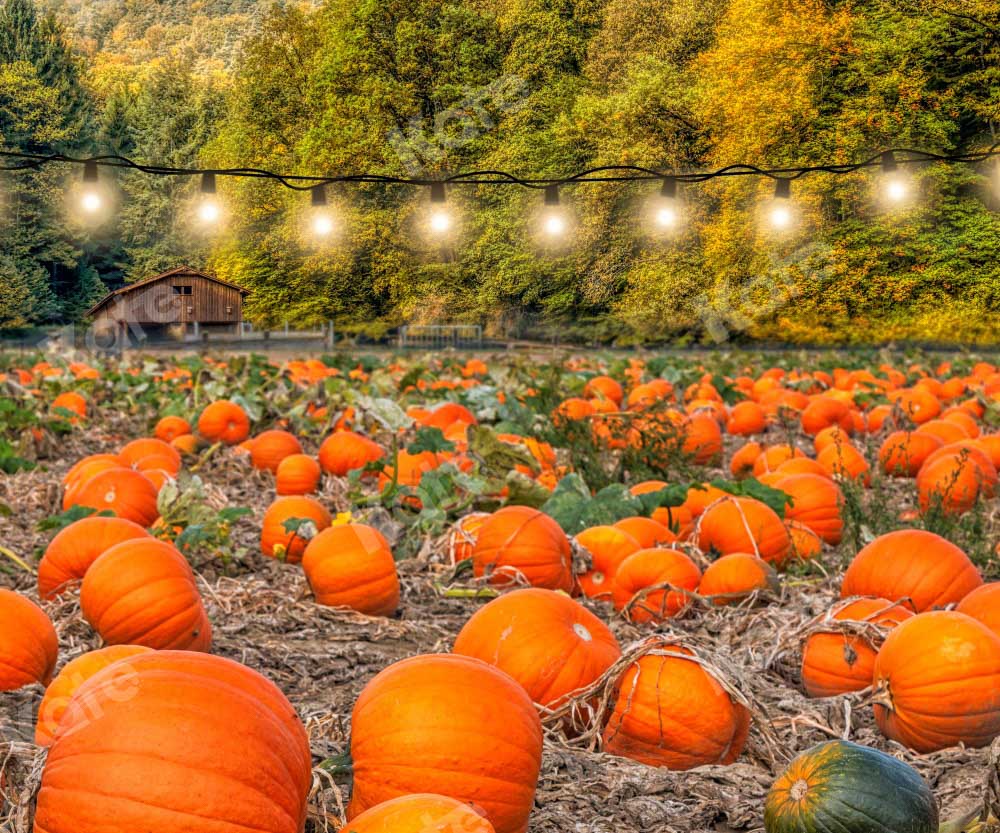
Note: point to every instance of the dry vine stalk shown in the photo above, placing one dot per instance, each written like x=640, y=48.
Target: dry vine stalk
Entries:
x=578, y=722
x=865, y=629
x=21, y=766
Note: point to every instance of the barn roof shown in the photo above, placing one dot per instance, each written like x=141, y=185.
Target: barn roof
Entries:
x=172, y=273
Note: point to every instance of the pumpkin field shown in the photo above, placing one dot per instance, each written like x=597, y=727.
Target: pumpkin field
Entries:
x=497, y=593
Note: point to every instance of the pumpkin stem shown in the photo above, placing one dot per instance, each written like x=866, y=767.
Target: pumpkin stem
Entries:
x=338, y=764
x=6, y=553
x=799, y=789
x=881, y=695
x=970, y=821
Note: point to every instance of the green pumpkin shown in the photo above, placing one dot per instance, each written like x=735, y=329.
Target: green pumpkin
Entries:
x=841, y=787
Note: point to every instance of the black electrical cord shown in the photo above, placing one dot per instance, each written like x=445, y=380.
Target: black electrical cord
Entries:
x=20, y=161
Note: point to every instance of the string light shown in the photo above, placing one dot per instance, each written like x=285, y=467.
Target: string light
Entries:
x=781, y=214
x=322, y=224
x=440, y=221
x=91, y=200
x=554, y=221
x=666, y=213
x=894, y=184
x=209, y=211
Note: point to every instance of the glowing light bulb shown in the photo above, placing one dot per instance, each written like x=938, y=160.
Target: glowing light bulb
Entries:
x=555, y=225
x=91, y=202
x=209, y=211
x=440, y=222
x=666, y=217
x=895, y=190
x=322, y=225
x=781, y=216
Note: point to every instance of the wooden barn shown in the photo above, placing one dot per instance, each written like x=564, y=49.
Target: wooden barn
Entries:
x=177, y=304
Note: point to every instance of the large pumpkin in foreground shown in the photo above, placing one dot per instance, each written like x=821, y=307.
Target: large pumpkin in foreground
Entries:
x=547, y=642
x=29, y=646
x=936, y=682
x=200, y=744
x=520, y=544
x=459, y=728
x=671, y=712
x=841, y=786
x=911, y=564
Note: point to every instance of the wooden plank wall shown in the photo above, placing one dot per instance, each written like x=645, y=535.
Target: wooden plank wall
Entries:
x=157, y=303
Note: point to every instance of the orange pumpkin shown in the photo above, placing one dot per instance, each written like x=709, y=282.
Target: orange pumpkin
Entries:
x=903, y=453
x=71, y=401
x=806, y=544
x=352, y=566
x=87, y=467
x=646, y=531
x=604, y=387
x=547, y=642
x=650, y=568
x=344, y=451
x=836, y=661
x=983, y=605
x=935, y=682
x=746, y=418
x=128, y=761
x=671, y=712
x=744, y=458
x=460, y=728
x=422, y=813
x=125, y=492
x=307, y=515
x=816, y=503
x=28, y=643
x=822, y=412
x=75, y=547
x=74, y=674
x=953, y=483
x=170, y=428
x=702, y=439
x=844, y=460
x=271, y=447
x=608, y=546
x=911, y=564
x=297, y=474
x=224, y=421
x=773, y=456
x=734, y=577
x=521, y=544
x=135, y=452
x=143, y=592
x=739, y=524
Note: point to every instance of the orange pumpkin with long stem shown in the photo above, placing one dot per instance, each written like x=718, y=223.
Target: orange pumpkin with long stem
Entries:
x=460, y=728
x=547, y=642
x=352, y=566
x=29, y=646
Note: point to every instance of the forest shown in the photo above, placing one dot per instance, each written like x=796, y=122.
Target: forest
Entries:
x=544, y=88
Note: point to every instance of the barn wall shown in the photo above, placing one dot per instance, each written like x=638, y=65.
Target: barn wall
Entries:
x=157, y=303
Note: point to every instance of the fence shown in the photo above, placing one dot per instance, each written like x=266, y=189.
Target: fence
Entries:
x=440, y=336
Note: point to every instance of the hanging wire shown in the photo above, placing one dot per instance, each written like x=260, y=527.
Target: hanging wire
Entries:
x=20, y=161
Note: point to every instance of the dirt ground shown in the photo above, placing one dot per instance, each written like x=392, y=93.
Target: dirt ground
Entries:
x=263, y=616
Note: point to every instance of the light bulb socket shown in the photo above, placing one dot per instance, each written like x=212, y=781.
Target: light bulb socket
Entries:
x=208, y=183
x=889, y=163
x=552, y=195
x=318, y=196
x=438, y=195
x=669, y=188
x=90, y=174
x=782, y=189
